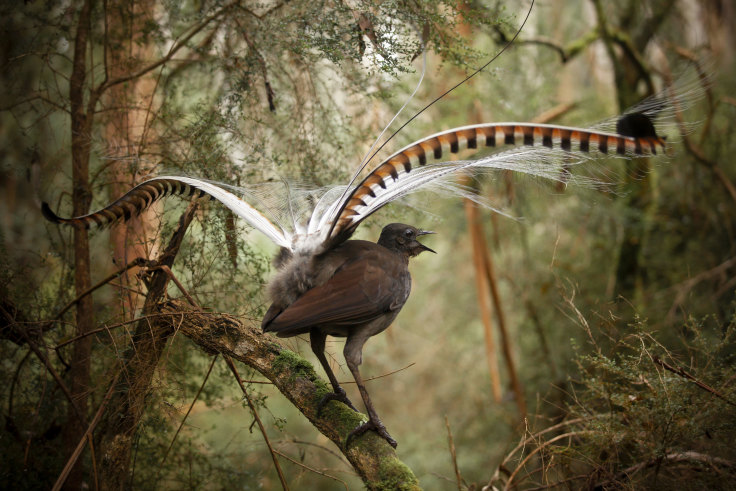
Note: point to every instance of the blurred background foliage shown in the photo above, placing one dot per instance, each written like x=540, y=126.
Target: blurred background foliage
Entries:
x=617, y=300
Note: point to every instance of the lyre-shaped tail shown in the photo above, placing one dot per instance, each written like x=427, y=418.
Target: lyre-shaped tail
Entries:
x=143, y=195
x=398, y=175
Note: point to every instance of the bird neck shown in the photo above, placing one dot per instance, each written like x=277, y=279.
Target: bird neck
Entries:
x=392, y=246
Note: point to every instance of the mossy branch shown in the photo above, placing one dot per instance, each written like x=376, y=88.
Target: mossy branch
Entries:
x=370, y=455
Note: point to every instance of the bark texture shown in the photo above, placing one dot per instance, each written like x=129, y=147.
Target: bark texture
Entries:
x=139, y=364
x=79, y=373
x=370, y=455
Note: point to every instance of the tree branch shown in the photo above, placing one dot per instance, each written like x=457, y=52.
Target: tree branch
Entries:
x=370, y=455
x=117, y=432
x=174, y=49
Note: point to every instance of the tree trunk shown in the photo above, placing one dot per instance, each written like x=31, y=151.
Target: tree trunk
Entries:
x=140, y=362
x=127, y=134
x=629, y=73
x=79, y=374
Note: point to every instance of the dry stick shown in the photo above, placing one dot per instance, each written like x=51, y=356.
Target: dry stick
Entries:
x=341, y=458
x=380, y=376
x=501, y=318
x=560, y=483
x=107, y=328
x=135, y=262
x=94, y=461
x=693, y=148
x=163, y=268
x=173, y=278
x=684, y=288
x=689, y=456
x=554, y=113
x=87, y=436
x=229, y=362
x=139, y=364
x=106, y=84
x=471, y=212
x=91, y=442
x=54, y=374
x=191, y=406
x=13, y=382
x=342, y=382
x=523, y=443
x=705, y=82
x=682, y=373
x=258, y=420
x=451, y=443
x=538, y=449
x=312, y=469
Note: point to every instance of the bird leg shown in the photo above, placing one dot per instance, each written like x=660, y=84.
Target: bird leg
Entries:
x=317, y=341
x=353, y=357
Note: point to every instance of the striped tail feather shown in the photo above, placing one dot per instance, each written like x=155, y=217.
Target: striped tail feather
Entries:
x=143, y=195
x=130, y=204
x=392, y=178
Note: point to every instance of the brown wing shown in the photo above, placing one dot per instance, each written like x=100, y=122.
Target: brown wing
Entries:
x=359, y=292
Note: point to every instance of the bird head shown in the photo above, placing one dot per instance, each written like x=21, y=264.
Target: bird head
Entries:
x=403, y=238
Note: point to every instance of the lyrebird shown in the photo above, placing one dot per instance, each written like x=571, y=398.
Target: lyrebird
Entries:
x=329, y=285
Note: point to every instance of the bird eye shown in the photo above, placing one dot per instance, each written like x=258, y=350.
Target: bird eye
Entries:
x=408, y=232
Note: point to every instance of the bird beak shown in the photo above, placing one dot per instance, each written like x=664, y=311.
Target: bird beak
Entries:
x=419, y=248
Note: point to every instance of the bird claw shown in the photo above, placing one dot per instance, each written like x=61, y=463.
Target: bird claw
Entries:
x=338, y=395
x=376, y=426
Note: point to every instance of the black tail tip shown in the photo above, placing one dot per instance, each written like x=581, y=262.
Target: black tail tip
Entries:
x=48, y=214
x=636, y=125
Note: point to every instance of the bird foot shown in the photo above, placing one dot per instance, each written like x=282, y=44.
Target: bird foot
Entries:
x=376, y=426
x=338, y=395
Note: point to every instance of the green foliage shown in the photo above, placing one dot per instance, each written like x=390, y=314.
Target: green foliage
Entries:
x=653, y=417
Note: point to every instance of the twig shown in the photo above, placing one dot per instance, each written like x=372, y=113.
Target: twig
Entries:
x=538, y=449
x=684, y=288
x=174, y=48
x=682, y=373
x=59, y=381
x=107, y=328
x=91, y=442
x=483, y=292
x=557, y=484
x=87, y=436
x=375, y=463
x=554, y=113
x=693, y=148
x=258, y=420
x=501, y=318
x=136, y=262
x=523, y=443
x=173, y=278
x=320, y=447
x=379, y=376
x=311, y=469
x=191, y=406
x=451, y=444
x=669, y=458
